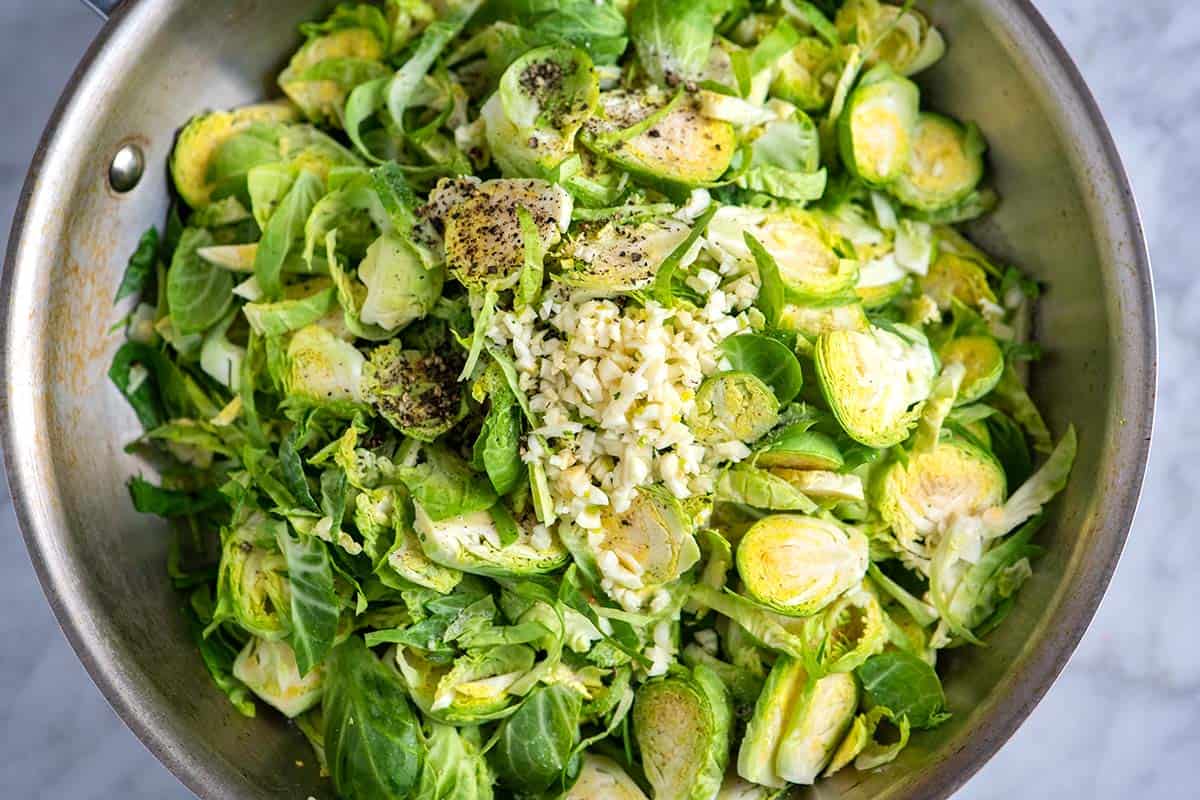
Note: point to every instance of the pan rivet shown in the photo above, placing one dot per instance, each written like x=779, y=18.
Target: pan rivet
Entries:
x=126, y=169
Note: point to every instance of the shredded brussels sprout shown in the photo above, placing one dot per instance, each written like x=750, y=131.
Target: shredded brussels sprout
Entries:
x=589, y=399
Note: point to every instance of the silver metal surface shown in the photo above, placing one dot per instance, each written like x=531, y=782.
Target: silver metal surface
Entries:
x=104, y=8
x=127, y=168
x=1068, y=217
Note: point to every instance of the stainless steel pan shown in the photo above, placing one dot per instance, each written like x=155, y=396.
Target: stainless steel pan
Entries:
x=1068, y=217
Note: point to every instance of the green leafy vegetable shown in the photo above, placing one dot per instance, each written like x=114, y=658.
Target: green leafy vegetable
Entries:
x=198, y=293
x=905, y=685
x=150, y=499
x=672, y=39
x=768, y=359
x=497, y=449
x=445, y=486
x=372, y=744
x=283, y=230
x=761, y=489
x=771, y=288
x=543, y=385
x=535, y=745
x=314, y=610
x=140, y=270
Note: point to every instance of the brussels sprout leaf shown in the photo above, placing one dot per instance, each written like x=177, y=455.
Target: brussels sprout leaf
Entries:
x=534, y=746
x=529, y=282
x=662, y=289
x=497, y=449
x=372, y=740
x=906, y=685
x=198, y=293
x=284, y=229
x=150, y=499
x=154, y=386
x=672, y=38
x=771, y=289
x=768, y=359
x=293, y=470
x=314, y=604
x=140, y=270
x=445, y=486
x=218, y=649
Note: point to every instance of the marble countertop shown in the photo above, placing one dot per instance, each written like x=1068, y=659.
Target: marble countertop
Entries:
x=1119, y=722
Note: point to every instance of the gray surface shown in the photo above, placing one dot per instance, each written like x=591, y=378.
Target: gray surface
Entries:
x=58, y=737
x=1118, y=718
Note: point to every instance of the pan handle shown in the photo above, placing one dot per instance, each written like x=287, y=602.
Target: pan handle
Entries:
x=102, y=7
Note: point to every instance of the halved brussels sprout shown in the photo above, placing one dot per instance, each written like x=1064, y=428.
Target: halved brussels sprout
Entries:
x=735, y=788
x=383, y=517
x=955, y=277
x=803, y=249
x=269, y=669
x=808, y=74
x=811, y=321
x=252, y=582
x=775, y=707
x=901, y=37
x=602, y=778
x=409, y=561
x=824, y=485
x=484, y=245
x=820, y=719
x=760, y=490
x=621, y=256
x=200, y=138
x=401, y=288
x=797, y=723
x=875, y=381
x=417, y=392
x=796, y=565
x=651, y=539
x=843, y=636
x=861, y=747
x=351, y=56
x=680, y=146
x=920, y=496
x=471, y=543
x=944, y=166
x=682, y=726
x=591, y=180
x=733, y=407
x=983, y=361
x=323, y=370
x=880, y=281
x=876, y=129
x=471, y=690
x=800, y=448
x=406, y=19
x=543, y=99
